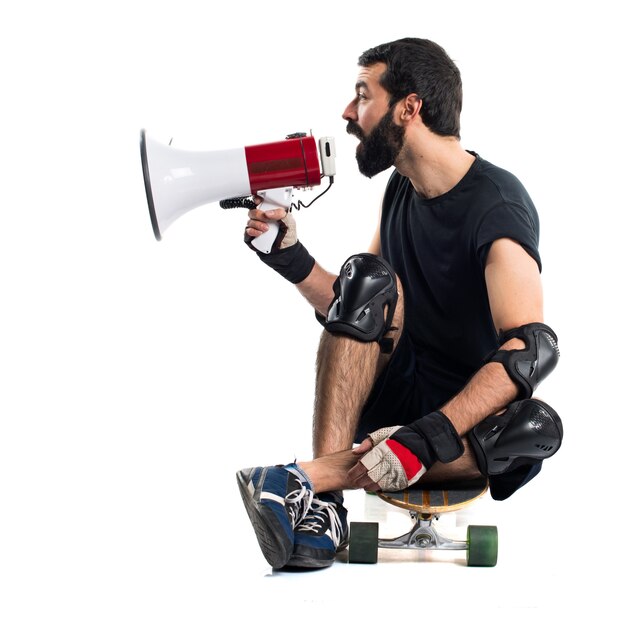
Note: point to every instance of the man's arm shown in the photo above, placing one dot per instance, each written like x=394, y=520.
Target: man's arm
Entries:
x=516, y=298
x=375, y=245
x=317, y=288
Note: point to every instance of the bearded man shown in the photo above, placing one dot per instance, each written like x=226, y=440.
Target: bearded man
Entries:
x=434, y=340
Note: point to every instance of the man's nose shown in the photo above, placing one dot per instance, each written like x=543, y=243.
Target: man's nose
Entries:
x=350, y=112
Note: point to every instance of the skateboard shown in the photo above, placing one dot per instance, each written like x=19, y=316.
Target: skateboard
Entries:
x=426, y=504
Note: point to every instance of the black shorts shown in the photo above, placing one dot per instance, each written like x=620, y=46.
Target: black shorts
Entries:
x=400, y=396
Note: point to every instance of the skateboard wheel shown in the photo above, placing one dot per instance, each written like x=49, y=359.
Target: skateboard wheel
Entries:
x=482, y=546
x=363, y=547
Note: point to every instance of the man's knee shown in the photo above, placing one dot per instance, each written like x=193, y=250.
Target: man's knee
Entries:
x=528, y=432
x=367, y=305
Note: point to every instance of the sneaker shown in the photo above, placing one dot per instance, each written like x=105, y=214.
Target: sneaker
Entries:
x=276, y=499
x=322, y=533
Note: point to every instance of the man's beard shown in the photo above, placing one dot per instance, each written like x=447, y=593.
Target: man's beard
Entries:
x=379, y=150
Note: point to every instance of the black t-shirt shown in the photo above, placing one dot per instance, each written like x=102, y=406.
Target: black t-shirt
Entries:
x=439, y=247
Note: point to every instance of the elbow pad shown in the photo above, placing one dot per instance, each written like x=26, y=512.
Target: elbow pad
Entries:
x=532, y=364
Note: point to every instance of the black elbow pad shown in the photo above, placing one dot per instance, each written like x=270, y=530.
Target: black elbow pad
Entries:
x=532, y=364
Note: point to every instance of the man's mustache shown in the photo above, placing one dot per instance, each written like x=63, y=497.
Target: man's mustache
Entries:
x=352, y=128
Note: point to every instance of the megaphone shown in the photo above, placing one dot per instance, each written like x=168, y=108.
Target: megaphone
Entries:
x=178, y=181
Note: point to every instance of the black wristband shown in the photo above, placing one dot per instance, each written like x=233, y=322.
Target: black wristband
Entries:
x=293, y=263
x=432, y=436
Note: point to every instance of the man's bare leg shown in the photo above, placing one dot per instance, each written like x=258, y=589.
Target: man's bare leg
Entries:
x=346, y=372
x=464, y=468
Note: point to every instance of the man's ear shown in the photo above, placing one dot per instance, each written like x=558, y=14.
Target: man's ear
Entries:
x=409, y=107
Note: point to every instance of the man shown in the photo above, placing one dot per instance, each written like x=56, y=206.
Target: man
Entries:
x=434, y=340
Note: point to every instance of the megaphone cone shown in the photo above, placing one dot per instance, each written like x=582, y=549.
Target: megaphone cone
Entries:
x=178, y=181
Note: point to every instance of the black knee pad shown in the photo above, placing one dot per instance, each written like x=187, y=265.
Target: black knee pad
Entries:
x=527, y=432
x=365, y=286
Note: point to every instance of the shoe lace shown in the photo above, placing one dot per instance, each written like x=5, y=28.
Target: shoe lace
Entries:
x=299, y=501
x=318, y=512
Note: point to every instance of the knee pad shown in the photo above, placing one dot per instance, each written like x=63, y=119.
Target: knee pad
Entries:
x=529, y=366
x=365, y=286
x=529, y=431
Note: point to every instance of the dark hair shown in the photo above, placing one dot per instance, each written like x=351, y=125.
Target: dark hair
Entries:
x=422, y=67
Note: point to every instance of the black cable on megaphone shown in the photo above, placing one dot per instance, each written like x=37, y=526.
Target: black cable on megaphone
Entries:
x=247, y=202
x=241, y=202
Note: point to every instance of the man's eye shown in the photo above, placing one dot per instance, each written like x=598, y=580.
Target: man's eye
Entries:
x=360, y=96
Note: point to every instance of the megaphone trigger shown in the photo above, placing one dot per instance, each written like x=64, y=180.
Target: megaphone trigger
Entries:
x=275, y=198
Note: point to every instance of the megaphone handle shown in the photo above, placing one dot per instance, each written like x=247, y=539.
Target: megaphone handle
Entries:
x=272, y=199
x=263, y=243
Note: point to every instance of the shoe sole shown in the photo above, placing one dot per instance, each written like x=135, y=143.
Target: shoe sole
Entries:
x=268, y=531
x=309, y=562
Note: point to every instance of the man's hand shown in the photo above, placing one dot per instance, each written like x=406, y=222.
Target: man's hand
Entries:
x=402, y=454
x=386, y=464
x=287, y=255
x=258, y=221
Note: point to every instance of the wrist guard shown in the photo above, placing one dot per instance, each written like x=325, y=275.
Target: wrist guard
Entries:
x=293, y=263
x=432, y=438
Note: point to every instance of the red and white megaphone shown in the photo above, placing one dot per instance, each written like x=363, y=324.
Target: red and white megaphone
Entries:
x=177, y=181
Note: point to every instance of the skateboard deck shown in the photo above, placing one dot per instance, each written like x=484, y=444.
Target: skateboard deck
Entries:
x=425, y=504
x=437, y=498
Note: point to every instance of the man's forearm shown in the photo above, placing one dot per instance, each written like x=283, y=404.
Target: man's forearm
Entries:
x=488, y=392
x=317, y=288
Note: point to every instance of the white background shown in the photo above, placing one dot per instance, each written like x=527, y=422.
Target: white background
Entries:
x=136, y=377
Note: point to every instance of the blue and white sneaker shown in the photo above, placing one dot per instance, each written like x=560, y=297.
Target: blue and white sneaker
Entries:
x=322, y=532
x=276, y=499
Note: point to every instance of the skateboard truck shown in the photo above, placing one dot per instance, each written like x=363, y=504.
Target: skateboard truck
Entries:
x=423, y=536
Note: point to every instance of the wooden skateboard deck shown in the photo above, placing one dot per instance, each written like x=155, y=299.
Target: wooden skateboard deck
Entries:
x=434, y=498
